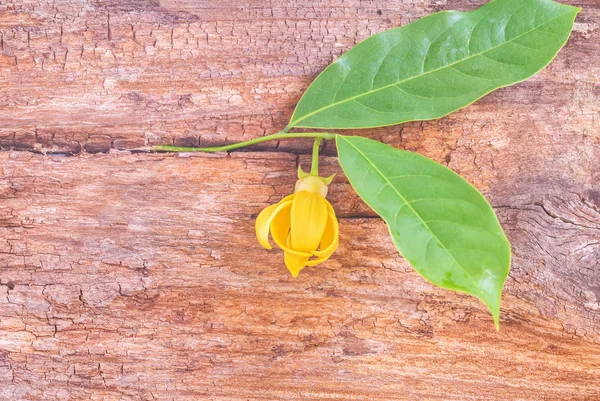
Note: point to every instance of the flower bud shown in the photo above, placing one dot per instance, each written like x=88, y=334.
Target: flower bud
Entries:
x=303, y=224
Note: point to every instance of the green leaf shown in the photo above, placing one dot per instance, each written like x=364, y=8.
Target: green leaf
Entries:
x=435, y=65
x=440, y=223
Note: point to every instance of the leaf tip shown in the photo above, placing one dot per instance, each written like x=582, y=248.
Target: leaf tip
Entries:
x=495, y=312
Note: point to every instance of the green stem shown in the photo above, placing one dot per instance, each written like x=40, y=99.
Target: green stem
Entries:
x=279, y=135
x=314, y=169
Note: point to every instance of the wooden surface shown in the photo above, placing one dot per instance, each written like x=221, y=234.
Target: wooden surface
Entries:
x=136, y=276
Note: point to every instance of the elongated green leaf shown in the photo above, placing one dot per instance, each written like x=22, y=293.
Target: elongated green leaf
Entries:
x=440, y=223
x=435, y=65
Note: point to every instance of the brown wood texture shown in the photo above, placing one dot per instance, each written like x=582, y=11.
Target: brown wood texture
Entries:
x=136, y=276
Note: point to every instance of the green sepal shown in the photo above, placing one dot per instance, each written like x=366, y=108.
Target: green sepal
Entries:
x=302, y=174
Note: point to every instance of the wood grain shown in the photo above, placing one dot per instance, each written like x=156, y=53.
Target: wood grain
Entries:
x=135, y=276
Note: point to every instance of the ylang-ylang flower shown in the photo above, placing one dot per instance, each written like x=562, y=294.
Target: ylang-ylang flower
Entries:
x=302, y=224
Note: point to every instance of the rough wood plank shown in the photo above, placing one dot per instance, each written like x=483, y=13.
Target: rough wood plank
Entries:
x=139, y=278
x=122, y=275
x=88, y=77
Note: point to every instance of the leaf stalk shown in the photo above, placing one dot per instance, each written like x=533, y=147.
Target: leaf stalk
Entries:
x=314, y=169
x=280, y=135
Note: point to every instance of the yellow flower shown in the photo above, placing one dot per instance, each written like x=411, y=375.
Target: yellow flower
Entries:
x=302, y=224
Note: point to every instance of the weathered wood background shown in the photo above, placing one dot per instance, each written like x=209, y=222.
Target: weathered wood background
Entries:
x=136, y=276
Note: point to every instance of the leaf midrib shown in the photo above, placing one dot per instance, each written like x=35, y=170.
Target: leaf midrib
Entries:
x=473, y=281
x=293, y=123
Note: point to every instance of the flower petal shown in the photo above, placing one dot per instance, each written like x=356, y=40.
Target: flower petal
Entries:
x=266, y=216
x=309, y=217
x=294, y=262
x=330, y=240
x=315, y=262
x=280, y=225
x=280, y=230
x=287, y=198
x=262, y=225
x=287, y=247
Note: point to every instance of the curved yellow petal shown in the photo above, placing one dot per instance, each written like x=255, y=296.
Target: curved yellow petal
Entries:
x=287, y=247
x=262, y=226
x=294, y=262
x=330, y=240
x=264, y=219
x=309, y=217
x=280, y=226
x=315, y=262
x=287, y=198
